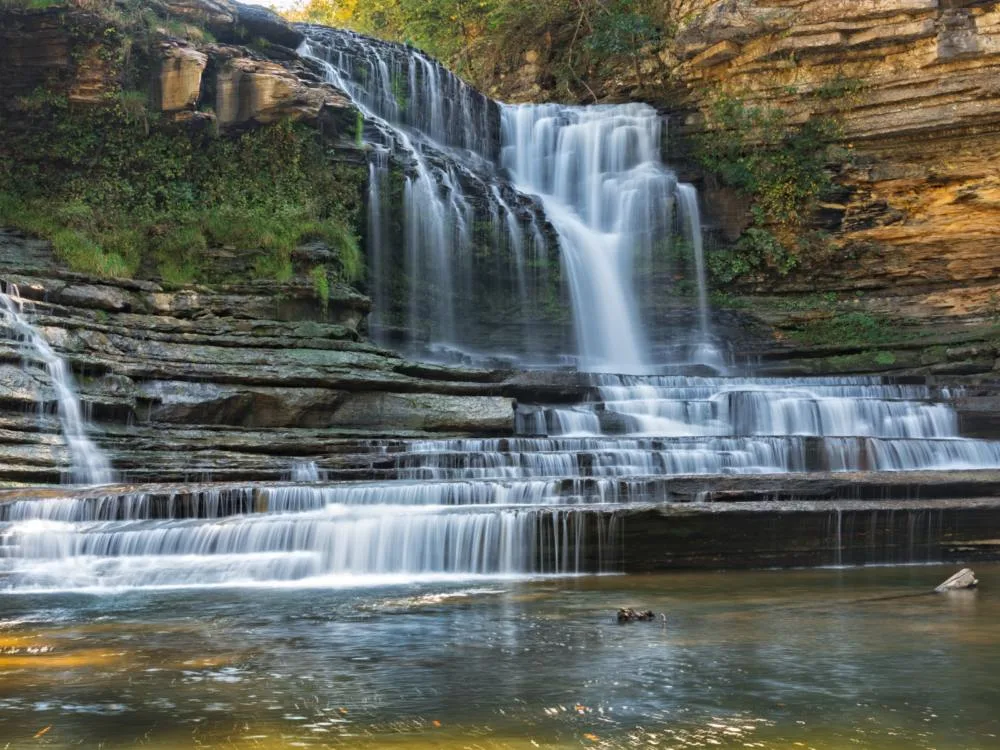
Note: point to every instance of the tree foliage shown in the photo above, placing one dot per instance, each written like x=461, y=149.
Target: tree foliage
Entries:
x=579, y=39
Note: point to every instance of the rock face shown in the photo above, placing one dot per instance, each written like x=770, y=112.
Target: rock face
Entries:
x=65, y=51
x=227, y=380
x=914, y=85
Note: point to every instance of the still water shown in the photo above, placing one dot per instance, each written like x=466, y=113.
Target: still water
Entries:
x=824, y=659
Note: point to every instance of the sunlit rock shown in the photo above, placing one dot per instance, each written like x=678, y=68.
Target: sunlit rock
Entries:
x=963, y=579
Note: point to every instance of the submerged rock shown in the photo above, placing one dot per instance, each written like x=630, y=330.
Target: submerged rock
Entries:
x=963, y=579
x=628, y=614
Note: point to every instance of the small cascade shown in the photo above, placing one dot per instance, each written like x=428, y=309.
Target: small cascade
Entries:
x=306, y=471
x=549, y=502
x=291, y=534
x=705, y=352
x=89, y=464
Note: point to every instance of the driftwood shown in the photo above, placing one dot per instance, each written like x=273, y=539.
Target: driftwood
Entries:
x=963, y=579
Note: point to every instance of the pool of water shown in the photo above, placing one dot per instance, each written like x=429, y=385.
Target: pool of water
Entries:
x=824, y=659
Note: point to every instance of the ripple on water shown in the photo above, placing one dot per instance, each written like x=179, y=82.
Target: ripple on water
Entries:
x=763, y=660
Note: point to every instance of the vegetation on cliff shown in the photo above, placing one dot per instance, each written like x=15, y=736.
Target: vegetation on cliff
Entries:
x=116, y=198
x=583, y=41
x=781, y=168
x=122, y=190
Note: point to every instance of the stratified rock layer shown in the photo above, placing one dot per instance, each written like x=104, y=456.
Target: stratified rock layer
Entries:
x=915, y=85
x=223, y=381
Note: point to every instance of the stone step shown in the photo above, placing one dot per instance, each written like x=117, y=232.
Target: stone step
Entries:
x=771, y=491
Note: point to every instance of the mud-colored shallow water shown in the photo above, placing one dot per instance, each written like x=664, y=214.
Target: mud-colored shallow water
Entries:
x=825, y=659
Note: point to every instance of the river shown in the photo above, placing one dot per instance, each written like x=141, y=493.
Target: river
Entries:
x=825, y=659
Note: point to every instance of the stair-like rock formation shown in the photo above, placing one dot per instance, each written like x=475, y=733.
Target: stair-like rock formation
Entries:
x=227, y=380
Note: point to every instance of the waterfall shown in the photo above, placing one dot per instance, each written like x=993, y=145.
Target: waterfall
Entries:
x=597, y=172
x=705, y=352
x=592, y=174
x=89, y=464
x=122, y=542
x=443, y=135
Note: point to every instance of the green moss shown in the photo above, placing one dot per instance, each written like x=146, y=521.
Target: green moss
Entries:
x=321, y=284
x=359, y=128
x=839, y=88
x=848, y=329
x=861, y=362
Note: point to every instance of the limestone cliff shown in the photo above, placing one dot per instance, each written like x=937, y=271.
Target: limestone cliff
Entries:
x=914, y=85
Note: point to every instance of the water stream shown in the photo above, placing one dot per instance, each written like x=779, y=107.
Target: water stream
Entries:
x=820, y=659
x=89, y=464
x=593, y=174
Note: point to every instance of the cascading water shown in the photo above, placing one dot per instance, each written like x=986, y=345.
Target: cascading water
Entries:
x=548, y=503
x=597, y=171
x=551, y=498
x=89, y=464
x=594, y=174
x=440, y=136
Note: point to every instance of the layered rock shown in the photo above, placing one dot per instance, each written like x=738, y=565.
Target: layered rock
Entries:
x=228, y=380
x=913, y=84
x=71, y=51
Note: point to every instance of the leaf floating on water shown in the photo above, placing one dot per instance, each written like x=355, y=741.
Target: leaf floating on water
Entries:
x=42, y=732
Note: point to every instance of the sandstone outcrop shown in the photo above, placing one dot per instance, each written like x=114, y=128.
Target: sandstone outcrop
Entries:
x=192, y=79
x=914, y=86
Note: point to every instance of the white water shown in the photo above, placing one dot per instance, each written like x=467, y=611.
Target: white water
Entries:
x=342, y=542
x=89, y=464
x=487, y=506
x=438, y=130
x=598, y=173
x=595, y=173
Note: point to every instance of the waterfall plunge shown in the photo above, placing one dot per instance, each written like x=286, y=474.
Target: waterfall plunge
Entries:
x=90, y=465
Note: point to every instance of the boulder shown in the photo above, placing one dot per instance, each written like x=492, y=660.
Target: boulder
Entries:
x=257, y=22
x=963, y=579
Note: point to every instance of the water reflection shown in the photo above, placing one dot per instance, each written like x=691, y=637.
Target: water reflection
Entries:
x=829, y=659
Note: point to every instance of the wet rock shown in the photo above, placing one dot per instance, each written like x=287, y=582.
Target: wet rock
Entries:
x=627, y=614
x=963, y=579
